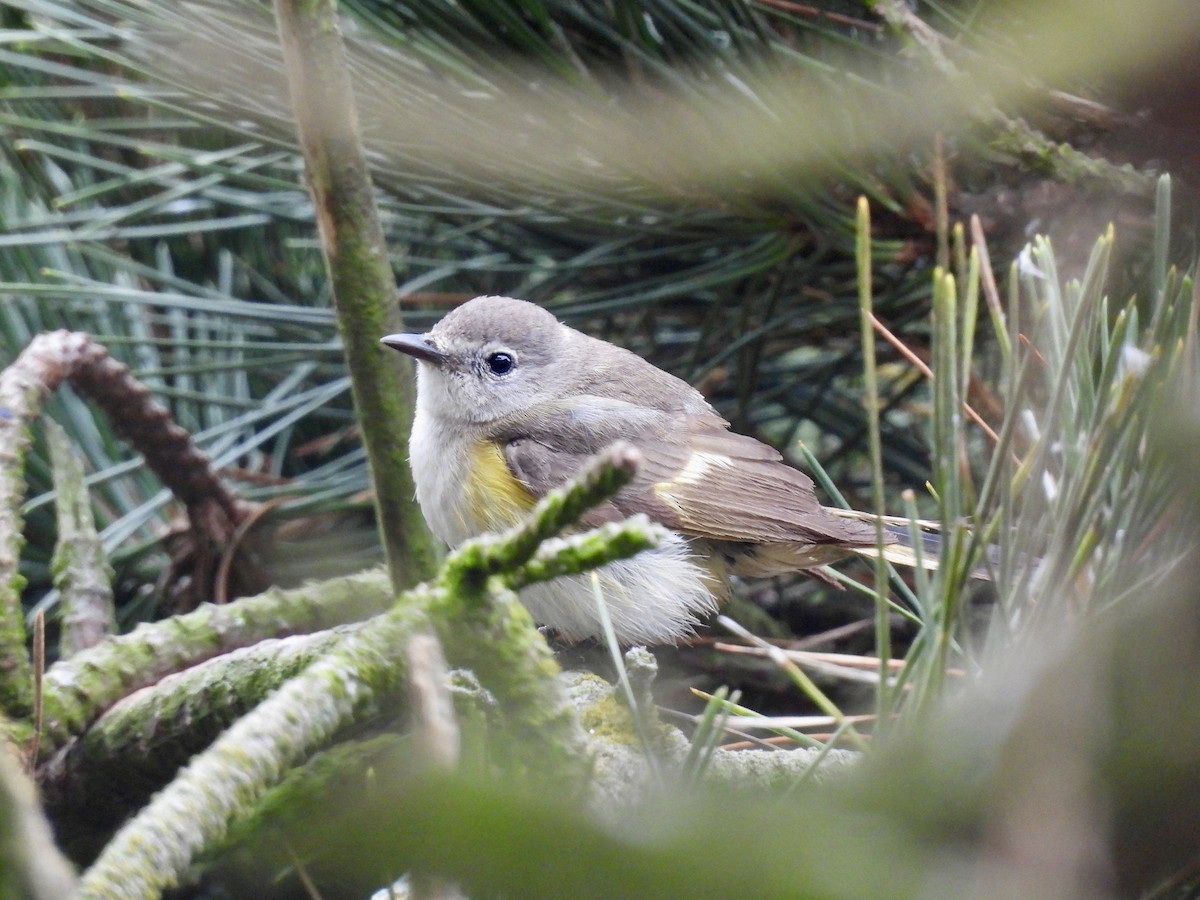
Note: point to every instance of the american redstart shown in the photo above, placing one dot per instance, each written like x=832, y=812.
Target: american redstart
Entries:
x=511, y=403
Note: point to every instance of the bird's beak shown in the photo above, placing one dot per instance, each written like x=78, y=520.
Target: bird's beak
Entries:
x=418, y=346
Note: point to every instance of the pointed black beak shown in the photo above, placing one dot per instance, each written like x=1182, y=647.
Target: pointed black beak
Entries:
x=418, y=346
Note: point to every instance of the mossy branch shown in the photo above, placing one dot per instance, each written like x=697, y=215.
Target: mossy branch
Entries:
x=360, y=275
x=81, y=570
x=136, y=747
x=78, y=690
x=1035, y=152
x=153, y=851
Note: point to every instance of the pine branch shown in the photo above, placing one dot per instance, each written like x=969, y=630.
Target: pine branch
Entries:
x=80, y=689
x=48, y=361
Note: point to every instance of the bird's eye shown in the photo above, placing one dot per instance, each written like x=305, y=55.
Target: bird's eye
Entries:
x=500, y=363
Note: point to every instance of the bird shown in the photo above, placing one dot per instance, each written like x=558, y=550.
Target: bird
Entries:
x=511, y=403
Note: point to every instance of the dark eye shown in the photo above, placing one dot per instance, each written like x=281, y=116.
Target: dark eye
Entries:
x=500, y=363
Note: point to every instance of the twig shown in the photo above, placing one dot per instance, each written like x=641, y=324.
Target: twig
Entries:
x=39, y=672
x=928, y=373
x=777, y=656
x=773, y=722
x=233, y=543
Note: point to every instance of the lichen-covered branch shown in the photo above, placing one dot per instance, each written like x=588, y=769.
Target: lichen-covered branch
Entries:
x=364, y=289
x=23, y=388
x=48, y=361
x=1036, y=152
x=152, y=852
x=497, y=641
x=81, y=570
x=78, y=690
x=93, y=783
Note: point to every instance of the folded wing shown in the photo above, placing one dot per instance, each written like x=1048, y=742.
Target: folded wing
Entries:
x=697, y=478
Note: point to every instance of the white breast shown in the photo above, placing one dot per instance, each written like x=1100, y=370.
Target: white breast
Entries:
x=440, y=458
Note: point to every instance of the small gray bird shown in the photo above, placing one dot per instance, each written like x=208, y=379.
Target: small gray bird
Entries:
x=511, y=403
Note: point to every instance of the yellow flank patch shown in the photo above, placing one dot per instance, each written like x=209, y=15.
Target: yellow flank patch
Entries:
x=495, y=498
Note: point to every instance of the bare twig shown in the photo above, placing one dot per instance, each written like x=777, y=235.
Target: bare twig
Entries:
x=928, y=373
x=39, y=670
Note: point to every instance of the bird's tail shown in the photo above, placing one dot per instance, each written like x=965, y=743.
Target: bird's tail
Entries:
x=903, y=554
x=900, y=549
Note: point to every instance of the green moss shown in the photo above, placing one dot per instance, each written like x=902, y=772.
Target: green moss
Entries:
x=610, y=720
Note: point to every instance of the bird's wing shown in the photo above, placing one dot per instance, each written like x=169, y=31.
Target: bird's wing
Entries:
x=697, y=477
